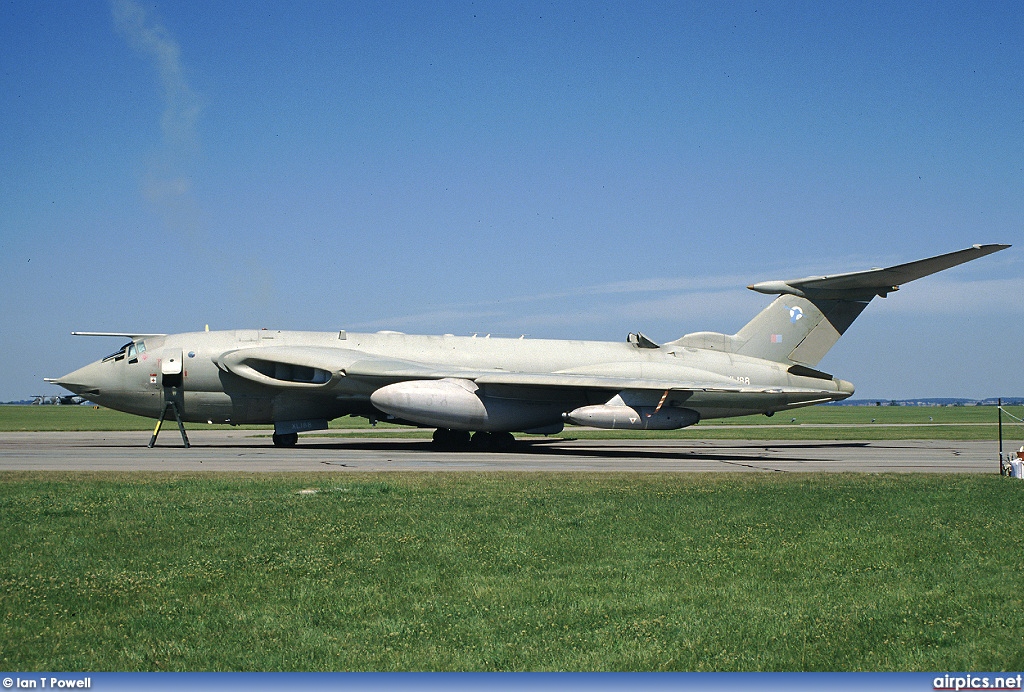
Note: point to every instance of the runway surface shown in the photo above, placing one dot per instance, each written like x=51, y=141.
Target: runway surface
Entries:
x=249, y=451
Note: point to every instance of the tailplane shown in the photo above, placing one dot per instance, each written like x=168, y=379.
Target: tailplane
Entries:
x=810, y=314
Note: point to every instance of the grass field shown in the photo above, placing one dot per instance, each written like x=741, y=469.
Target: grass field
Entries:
x=510, y=572
x=96, y=418
x=816, y=422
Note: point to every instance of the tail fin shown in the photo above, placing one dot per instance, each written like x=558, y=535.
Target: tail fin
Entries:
x=809, y=316
x=797, y=330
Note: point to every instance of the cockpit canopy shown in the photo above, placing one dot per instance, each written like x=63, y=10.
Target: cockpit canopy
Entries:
x=131, y=350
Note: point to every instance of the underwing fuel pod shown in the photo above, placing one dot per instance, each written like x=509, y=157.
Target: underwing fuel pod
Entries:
x=481, y=390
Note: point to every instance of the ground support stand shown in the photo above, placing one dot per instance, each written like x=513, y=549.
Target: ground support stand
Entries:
x=169, y=404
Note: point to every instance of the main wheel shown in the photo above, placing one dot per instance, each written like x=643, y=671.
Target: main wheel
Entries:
x=450, y=439
x=493, y=442
x=502, y=441
x=287, y=440
x=481, y=440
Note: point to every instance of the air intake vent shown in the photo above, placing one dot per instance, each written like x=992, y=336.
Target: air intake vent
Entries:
x=288, y=372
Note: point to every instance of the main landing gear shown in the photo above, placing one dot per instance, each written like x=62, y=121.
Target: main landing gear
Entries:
x=287, y=440
x=483, y=441
x=451, y=439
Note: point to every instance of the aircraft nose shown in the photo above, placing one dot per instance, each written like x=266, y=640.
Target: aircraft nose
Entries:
x=85, y=381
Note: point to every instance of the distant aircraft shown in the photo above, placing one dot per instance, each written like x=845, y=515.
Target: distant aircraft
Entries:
x=298, y=381
x=45, y=400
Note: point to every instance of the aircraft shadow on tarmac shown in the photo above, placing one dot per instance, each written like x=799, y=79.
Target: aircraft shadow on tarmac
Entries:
x=555, y=448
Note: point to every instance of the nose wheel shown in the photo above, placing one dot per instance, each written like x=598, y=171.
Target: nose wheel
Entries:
x=287, y=440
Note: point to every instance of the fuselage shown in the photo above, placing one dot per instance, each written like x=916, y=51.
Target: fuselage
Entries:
x=237, y=376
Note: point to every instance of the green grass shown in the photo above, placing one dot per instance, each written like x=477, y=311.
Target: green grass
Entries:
x=510, y=572
x=96, y=418
x=68, y=418
x=813, y=423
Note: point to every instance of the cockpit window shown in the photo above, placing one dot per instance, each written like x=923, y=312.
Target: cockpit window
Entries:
x=141, y=345
x=120, y=354
x=131, y=351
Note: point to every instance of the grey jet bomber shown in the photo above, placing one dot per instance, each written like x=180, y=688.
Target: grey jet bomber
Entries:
x=481, y=390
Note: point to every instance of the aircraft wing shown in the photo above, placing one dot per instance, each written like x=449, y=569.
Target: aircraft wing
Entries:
x=404, y=370
x=276, y=366
x=704, y=394
x=127, y=335
x=864, y=285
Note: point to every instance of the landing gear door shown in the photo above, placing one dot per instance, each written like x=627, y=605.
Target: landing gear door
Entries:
x=171, y=369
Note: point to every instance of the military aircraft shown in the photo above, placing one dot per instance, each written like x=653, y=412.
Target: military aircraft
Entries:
x=59, y=400
x=491, y=387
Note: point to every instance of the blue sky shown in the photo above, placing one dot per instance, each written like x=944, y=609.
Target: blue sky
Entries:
x=564, y=170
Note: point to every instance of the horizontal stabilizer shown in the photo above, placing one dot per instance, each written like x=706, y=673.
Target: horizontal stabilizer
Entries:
x=864, y=285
